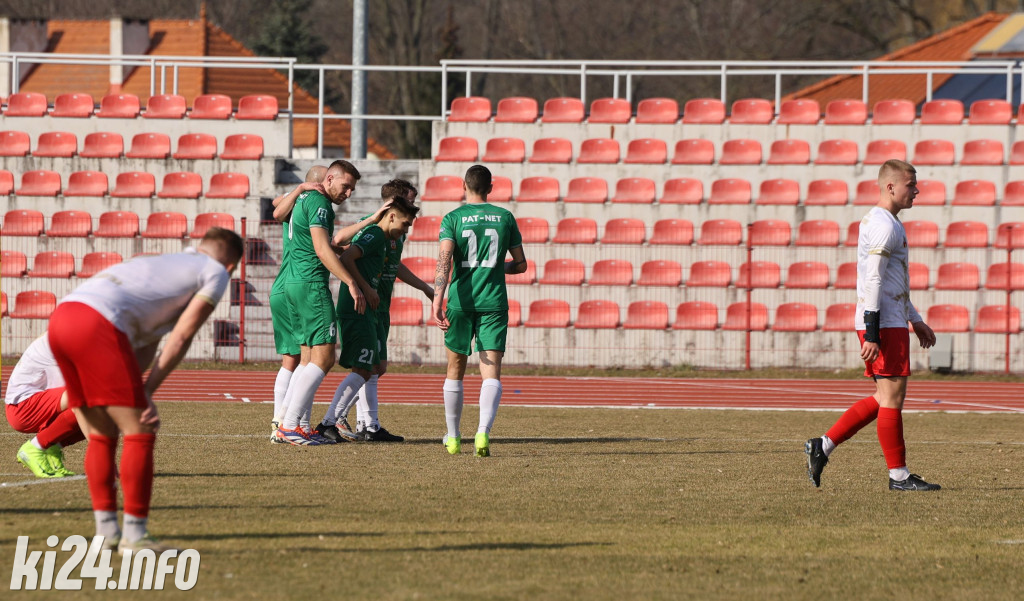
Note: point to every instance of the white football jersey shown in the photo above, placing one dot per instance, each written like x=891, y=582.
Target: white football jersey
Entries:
x=888, y=292
x=36, y=371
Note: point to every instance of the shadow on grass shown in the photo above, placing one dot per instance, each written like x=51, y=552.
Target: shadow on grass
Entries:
x=544, y=440
x=275, y=535
x=477, y=547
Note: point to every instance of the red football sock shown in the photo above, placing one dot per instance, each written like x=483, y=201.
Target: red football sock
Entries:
x=137, y=473
x=60, y=429
x=856, y=417
x=100, y=472
x=890, y=436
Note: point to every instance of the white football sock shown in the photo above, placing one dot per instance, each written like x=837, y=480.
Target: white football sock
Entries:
x=899, y=474
x=343, y=397
x=490, y=396
x=290, y=393
x=280, y=390
x=106, y=524
x=827, y=446
x=302, y=399
x=134, y=527
x=35, y=443
x=367, y=404
x=453, y=406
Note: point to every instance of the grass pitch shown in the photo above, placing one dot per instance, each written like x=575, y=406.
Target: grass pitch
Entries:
x=573, y=504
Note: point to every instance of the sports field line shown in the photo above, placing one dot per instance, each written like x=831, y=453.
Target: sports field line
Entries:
x=40, y=481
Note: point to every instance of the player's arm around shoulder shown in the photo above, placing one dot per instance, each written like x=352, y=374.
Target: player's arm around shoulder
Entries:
x=348, y=259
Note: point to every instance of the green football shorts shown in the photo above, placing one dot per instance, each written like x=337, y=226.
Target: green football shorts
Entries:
x=315, y=319
x=283, y=318
x=383, y=331
x=360, y=346
x=489, y=328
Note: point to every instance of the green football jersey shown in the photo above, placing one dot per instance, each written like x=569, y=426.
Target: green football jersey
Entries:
x=392, y=260
x=312, y=209
x=482, y=234
x=278, y=285
x=374, y=245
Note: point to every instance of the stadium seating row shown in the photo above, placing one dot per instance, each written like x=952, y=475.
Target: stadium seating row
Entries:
x=133, y=184
x=747, y=111
x=733, y=190
x=112, y=224
x=110, y=145
x=127, y=106
x=699, y=151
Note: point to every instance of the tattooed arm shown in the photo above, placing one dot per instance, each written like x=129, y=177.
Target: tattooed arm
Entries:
x=444, y=268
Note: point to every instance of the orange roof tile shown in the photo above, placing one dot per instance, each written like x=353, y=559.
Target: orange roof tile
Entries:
x=72, y=37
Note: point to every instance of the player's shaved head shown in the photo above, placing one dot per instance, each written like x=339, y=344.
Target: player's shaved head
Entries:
x=893, y=168
x=340, y=166
x=316, y=174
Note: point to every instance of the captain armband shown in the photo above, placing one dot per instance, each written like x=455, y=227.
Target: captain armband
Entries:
x=871, y=327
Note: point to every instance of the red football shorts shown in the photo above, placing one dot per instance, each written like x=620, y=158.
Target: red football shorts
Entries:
x=35, y=412
x=894, y=356
x=96, y=359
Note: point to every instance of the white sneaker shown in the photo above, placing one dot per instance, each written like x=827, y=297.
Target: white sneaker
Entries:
x=146, y=542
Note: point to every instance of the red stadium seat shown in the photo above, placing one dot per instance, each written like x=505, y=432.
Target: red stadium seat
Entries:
x=610, y=110
x=778, y=192
x=1013, y=194
x=242, y=147
x=852, y=233
x=443, y=187
x=704, y=110
x=1010, y=235
x=726, y=232
x=759, y=274
x=53, y=264
x=930, y=193
x=934, y=152
x=26, y=104
x=501, y=189
x=716, y=274
x=752, y=110
x=995, y=319
x=119, y=106
x=56, y=144
x=551, y=150
x=966, y=234
x=166, y=225
x=13, y=264
x=564, y=272
x=840, y=317
x=425, y=228
x=406, y=311
x=1000, y=276
x=587, y=189
x=743, y=316
x=660, y=273
x=827, y=192
x=95, y=262
x=14, y=143
x=624, y=231
x=880, y=151
x=211, y=106
x=922, y=233
x=846, y=112
x=804, y=111
x=789, y=152
x=672, y=231
x=516, y=110
x=795, y=317
x=648, y=151
x=635, y=190
x=942, y=112
x=473, y=109
x=957, y=276
x=770, y=232
x=538, y=189
x=134, y=184
x=196, y=146
x=526, y=278
x=562, y=110
x=578, y=230
x=683, y=191
x=807, y=274
x=599, y=150
x=34, y=304
x=646, y=315
x=548, y=313
x=457, y=149
x=165, y=106
x=975, y=192
x=846, y=276
x=990, y=112
x=657, y=110
x=150, y=146
x=504, y=150
x=611, y=272
x=696, y=315
x=39, y=183
x=695, y=151
x=919, y=276
x=515, y=314
x=118, y=224
x=868, y=192
x=818, y=232
x=741, y=152
x=256, y=106
x=837, y=152
x=181, y=184
x=70, y=224
x=73, y=105
x=87, y=183
x=1017, y=153
x=597, y=315
x=204, y=221
x=730, y=191
x=897, y=111
x=949, y=318
x=982, y=152
x=102, y=145
x=534, y=230
x=422, y=267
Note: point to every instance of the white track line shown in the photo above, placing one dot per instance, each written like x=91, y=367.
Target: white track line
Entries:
x=41, y=481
